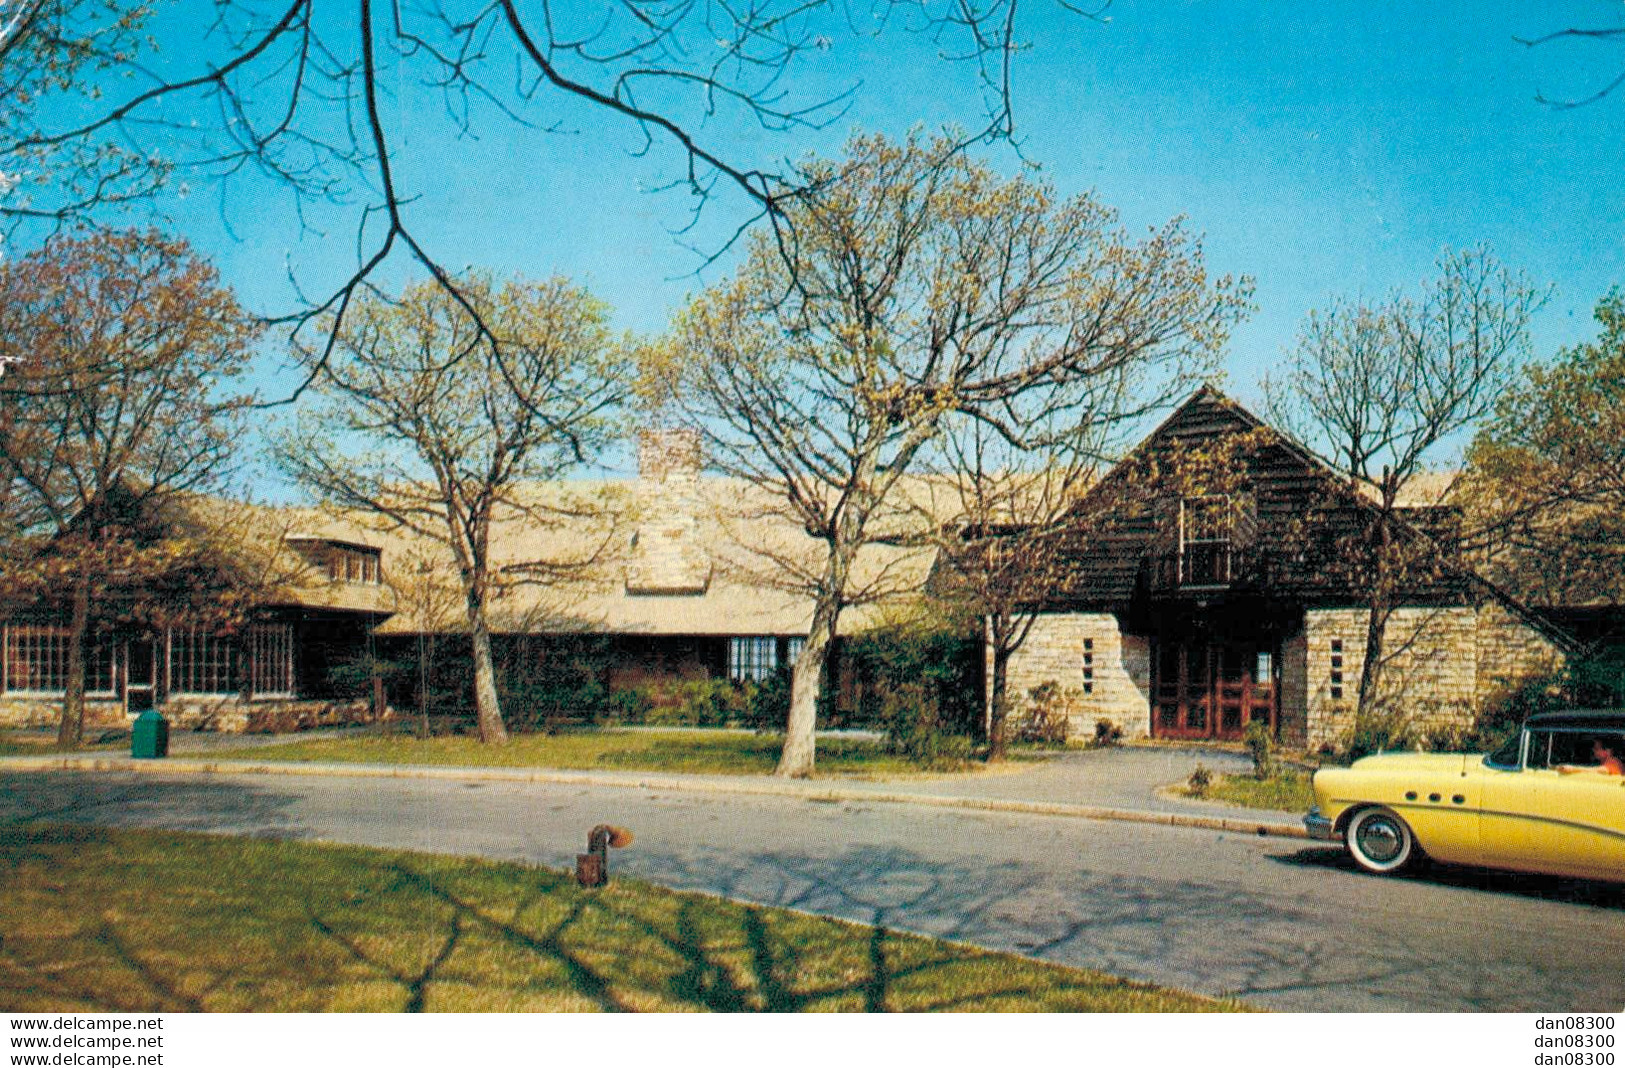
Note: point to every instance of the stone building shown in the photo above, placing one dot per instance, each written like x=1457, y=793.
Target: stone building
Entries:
x=318, y=593
x=668, y=577
x=1190, y=616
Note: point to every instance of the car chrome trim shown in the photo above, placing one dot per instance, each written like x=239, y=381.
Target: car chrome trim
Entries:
x=1319, y=826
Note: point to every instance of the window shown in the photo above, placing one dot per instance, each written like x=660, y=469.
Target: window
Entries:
x=270, y=651
x=1508, y=755
x=354, y=563
x=201, y=662
x=37, y=662
x=752, y=659
x=1337, y=669
x=792, y=650
x=1088, y=665
x=1264, y=669
x=1204, y=541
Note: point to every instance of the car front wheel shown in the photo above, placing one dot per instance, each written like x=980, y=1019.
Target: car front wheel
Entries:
x=1380, y=841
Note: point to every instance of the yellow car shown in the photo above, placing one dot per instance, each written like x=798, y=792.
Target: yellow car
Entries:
x=1552, y=799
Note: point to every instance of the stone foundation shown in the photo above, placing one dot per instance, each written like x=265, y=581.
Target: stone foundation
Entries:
x=230, y=715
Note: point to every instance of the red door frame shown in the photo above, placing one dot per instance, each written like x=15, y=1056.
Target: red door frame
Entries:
x=1212, y=693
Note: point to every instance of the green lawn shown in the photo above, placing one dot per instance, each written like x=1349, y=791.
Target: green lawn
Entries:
x=714, y=752
x=141, y=921
x=1288, y=792
x=37, y=745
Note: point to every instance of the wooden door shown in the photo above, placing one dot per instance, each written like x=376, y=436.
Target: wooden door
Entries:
x=1212, y=689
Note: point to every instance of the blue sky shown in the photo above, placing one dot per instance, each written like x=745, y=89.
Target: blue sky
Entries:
x=1324, y=149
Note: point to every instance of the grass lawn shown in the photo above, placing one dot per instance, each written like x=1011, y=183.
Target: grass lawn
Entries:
x=714, y=752
x=35, y=744
x=143, y=921
x=1288, y=792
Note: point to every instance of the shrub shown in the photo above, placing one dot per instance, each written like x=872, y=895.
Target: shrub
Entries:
x=1200, y=781
x=915, y=729
x=699, y=703
x=1107, y=734
x=1261, y=746
x=768, y=706
x=1044, y=717
x=935, y=663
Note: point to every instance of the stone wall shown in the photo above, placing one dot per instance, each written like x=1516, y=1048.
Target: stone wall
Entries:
x=1510, y=652
x=47, y=712
x=227, y=714
x=1294, y=691
x=1106, y=674
x=1442, y=665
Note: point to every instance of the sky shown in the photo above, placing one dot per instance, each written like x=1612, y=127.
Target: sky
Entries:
x=1325, y=150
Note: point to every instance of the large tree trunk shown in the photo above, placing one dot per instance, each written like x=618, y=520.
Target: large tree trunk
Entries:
x=796, y=762
x=487, y=709
x=70, y=733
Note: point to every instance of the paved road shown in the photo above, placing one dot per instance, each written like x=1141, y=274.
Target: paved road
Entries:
x=1273, y=921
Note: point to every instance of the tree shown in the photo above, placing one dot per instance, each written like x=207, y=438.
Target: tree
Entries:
x=56, y=58
x=1384, y=389
x=121, y=349
x=290, y=93
x=919, y=286
x=1546, y=476
x=464, y=428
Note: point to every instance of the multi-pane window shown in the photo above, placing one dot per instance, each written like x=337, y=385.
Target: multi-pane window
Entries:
x=37, y=661
x=270, y=651
x=792, y=650
x=1205, y=525
x=353, y=563
x=201, y=662
x=1337, y=669
x=1088, y=665
x=752, y=659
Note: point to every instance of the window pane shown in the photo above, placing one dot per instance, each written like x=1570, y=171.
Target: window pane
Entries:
x=752, y=659
x=271, y=646
x=200, y=662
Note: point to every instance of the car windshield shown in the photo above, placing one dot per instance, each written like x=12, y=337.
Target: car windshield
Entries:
x=1507, y=755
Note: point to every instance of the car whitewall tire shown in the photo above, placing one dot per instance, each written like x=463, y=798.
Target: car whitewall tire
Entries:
x=1380, y=841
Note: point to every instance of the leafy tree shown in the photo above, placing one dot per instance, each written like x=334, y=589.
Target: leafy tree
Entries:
x=466, y=409
x=1547, y=474
x=120, y=350
x=56, y=57
x=919, y=286
x=1384, y=389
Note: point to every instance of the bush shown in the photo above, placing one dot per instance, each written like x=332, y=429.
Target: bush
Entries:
x=1044, y=717
x=934, y=663
x=699, y=703
x=1107, y=734
x=916, y=732
x=768, y=706
x=1201, y=781
x=1261, y=746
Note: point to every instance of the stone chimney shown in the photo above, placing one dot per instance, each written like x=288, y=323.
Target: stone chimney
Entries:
x=667, y=558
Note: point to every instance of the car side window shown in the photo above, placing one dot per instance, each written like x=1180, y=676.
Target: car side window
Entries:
x=1542, y=745
x=1506, y=757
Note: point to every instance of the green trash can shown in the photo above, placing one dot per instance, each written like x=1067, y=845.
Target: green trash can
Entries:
x=149, y=738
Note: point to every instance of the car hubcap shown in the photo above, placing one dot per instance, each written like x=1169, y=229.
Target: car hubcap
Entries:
x=1380, y=840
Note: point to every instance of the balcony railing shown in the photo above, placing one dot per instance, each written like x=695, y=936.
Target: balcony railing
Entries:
x=1207, y=567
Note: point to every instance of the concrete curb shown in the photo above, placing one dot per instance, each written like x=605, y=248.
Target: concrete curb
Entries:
x=754, y=787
